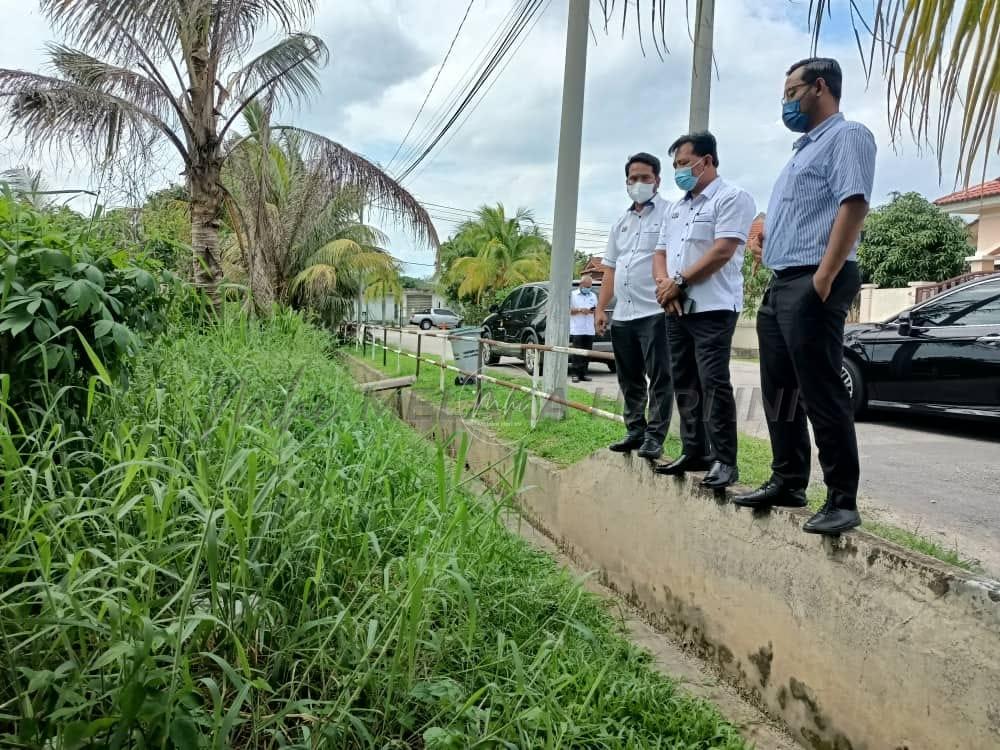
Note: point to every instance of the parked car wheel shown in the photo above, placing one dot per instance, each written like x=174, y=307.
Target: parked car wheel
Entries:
x=490, y=355
x=425, y=324
x=531, y=358
x=850, y=374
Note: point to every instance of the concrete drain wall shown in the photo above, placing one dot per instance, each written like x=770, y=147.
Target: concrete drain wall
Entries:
x=854, y=643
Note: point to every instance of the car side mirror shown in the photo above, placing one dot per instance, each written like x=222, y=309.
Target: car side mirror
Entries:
x=494, y=308
x=905, y=324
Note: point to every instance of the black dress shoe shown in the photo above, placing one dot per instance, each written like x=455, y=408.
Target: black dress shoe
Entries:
x=575, y=378
x=838, y=514
x=683, y=464
x=651, y=448
x=772, y=492
x=627, y=443
x=720, y=476
x=586, y=378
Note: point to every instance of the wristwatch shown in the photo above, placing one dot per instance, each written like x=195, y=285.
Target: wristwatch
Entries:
x=680, y=281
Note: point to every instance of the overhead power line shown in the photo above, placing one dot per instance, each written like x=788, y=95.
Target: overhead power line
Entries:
x=454, y=95
x=437, y=75
x=527, y=11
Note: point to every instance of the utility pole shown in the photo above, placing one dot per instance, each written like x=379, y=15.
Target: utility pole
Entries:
x=567, y=193
x=701, y=67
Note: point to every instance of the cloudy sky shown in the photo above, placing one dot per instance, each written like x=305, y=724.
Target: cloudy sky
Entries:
x=385, y=53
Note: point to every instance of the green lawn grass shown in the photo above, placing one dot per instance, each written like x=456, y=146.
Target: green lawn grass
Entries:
x=564, y=442
x=242, y=552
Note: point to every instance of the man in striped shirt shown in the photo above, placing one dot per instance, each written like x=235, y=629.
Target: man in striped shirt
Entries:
x=811, y=232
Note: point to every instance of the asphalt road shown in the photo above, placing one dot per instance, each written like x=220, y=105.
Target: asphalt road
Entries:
x=936, y=477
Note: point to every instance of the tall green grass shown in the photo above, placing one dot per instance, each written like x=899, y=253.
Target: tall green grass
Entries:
x=245, y=553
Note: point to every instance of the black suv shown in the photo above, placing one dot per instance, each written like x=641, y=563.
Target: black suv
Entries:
x=520, y=319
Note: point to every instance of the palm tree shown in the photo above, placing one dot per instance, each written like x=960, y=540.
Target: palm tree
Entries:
x=494, y=251
x=175, y=70
x=296, y=228
x=935, y=54
x=383, y=284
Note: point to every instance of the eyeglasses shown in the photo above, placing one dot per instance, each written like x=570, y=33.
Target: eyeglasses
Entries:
x=790, y=92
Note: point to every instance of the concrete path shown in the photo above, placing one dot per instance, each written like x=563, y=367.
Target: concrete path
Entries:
x=939, y=478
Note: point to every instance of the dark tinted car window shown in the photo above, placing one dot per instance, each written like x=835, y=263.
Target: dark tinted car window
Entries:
x=527, y=297
x=975, y=306
x=541, y=296
x=445, y=311
x=512, y=300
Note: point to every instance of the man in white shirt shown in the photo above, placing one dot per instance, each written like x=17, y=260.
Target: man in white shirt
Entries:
x=582, y=302
x=699, y=279
x=638, y=330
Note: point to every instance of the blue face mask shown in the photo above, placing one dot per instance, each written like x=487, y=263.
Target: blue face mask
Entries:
x=585, y=290
x=685, y=179
x=794, y=118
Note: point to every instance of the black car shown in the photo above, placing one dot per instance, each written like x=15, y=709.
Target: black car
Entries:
x=520, y=319
x=941, y=356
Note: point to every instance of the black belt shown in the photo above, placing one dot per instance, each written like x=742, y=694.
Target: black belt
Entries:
x=801, y=270
x=795, y=271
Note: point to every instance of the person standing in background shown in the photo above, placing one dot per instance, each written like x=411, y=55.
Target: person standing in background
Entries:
x=582, y=302
x=638, y=330
x=811, y=233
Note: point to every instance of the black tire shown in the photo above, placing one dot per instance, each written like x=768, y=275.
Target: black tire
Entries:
x=425, y=324
x=850, y=374
x=530, y=356
x=490, y=355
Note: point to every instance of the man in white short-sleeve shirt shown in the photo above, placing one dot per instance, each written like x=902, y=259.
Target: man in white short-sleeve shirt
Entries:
x=582, y=303
x=638, y=330
x=699, y=279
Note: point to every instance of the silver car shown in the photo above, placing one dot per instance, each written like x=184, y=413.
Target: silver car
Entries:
x=435, y=317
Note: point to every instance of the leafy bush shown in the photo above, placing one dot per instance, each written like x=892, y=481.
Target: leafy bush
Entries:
x=911, y=239
x=249, y=555
x=72, y=303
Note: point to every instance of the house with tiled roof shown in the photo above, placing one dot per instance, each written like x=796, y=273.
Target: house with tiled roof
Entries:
x=983, y=202
x=594, y=268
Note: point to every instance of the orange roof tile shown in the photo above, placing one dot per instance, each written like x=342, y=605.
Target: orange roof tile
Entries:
x=756, y=230
x=985, y=190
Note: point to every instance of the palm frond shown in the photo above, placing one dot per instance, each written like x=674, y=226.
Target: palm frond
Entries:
x=86, y=70
x=288, y=70
x=47, y=109
x=341, y=167
x=27, y=184
x=123, y=29
x=235, y=22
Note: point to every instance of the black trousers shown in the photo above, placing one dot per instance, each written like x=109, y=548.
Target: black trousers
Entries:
x=700, y=346
x=801, y=355
x=641, y=352
x=578, y=364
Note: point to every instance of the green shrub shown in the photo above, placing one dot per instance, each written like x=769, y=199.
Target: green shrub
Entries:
x=73, y=304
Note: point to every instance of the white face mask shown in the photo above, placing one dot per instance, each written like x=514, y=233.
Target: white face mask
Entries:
x=640, y=192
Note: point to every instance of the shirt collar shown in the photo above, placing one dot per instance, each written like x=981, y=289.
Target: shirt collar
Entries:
x=710, y=189
x=817, y=131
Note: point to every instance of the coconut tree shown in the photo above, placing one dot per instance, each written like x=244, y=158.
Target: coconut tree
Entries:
x=383, y=284
x=936, y=56
x=132, y=73
x=494, y=251
x=296, y=226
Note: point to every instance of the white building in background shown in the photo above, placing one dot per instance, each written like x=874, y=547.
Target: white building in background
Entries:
x=397, y=312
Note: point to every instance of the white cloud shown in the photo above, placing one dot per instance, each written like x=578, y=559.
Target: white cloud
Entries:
x=385, y=54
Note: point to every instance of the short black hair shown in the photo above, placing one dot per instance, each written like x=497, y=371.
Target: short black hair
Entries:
x=821, y=67
x=702, y=143
x=643, y=158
